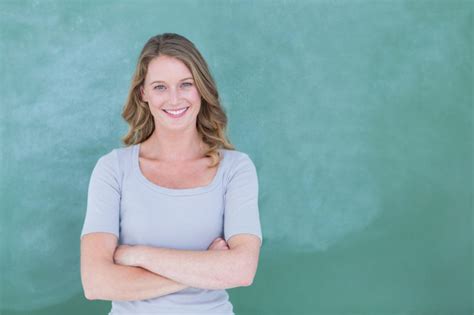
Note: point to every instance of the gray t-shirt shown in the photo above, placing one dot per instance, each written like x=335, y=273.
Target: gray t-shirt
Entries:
x=122, y=201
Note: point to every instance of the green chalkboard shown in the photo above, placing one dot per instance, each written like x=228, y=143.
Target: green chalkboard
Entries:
x=357, y=114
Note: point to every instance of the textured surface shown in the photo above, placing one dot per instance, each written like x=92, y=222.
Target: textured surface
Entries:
x=357, y=114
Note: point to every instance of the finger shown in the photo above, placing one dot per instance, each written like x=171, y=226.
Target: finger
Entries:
x=217, y=241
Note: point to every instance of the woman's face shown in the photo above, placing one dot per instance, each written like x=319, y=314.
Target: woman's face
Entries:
x=169, y=85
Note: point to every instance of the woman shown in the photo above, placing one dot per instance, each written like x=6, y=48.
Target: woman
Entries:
x=157, y=209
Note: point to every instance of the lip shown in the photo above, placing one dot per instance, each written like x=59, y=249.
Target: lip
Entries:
x=176, y=116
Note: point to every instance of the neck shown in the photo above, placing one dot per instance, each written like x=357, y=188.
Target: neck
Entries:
x=173, y=146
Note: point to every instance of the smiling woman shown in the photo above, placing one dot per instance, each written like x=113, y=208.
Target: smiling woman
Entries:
x=172, y=218
x=169, y=88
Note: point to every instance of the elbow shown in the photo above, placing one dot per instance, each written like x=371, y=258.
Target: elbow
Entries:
x=243, y=279
x=245, y=274
x=90, y=287
x=87, y=289
x=248, y=280
x=95, y=294
x=88, y=295
x=94, y=291
x=248, y=273
x=243, y=282
x=95, y=282
x=89, y=292
x=234, y=280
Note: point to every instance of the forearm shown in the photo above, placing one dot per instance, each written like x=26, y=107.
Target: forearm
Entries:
x=200, y=269
x=127, y=283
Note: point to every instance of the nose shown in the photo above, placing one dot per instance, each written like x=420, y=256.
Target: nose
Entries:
x=174, y=96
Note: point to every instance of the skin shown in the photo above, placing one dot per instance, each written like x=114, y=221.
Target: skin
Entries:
x=169, y=84
x=161, y=271
x=178, y=139
x=125, y=256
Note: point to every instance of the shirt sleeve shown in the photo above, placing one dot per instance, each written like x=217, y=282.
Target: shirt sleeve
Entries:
x=241, y=212
x=103, y=197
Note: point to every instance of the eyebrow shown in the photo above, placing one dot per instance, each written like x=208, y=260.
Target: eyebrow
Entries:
x=157, y=81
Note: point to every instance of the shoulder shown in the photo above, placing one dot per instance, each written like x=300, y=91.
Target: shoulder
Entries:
x=123, y=150
x=235, y=157
x=118, y=154
x=114, y=158
x=238, y=162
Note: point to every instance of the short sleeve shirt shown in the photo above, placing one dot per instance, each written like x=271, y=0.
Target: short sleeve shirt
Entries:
x=122, y=201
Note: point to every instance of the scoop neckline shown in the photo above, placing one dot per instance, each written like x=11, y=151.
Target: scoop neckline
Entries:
x=175, y=191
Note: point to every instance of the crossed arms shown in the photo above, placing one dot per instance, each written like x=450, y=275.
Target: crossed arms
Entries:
x=129, y=273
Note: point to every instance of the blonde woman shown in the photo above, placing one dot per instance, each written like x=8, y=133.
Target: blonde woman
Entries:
x=172, y=218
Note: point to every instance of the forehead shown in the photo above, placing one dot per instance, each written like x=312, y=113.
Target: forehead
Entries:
x=168, y=69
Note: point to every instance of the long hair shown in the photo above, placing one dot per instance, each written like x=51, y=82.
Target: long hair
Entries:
x=211, y=122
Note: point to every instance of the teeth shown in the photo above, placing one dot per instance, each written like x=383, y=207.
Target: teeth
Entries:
x=175, y=112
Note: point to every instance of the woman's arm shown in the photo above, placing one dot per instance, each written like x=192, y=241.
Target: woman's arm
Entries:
x=221, y=269
x=104, y=280
x=126, y=283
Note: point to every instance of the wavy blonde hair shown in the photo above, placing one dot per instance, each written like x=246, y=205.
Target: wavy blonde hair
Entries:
x=211, y=122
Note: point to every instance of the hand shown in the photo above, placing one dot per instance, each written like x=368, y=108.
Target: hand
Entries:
x=218, y=244
x=125, y=255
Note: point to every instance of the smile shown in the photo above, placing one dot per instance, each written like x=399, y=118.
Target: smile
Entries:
x=177, y=113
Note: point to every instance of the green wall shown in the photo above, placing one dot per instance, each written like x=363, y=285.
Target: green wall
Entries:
x=357, y=114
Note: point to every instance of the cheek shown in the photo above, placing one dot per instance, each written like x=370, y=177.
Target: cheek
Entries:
x=156, y=99
x=194, y=96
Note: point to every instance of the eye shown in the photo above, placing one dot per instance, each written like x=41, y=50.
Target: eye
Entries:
x=190, y=84
x=158, y=87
